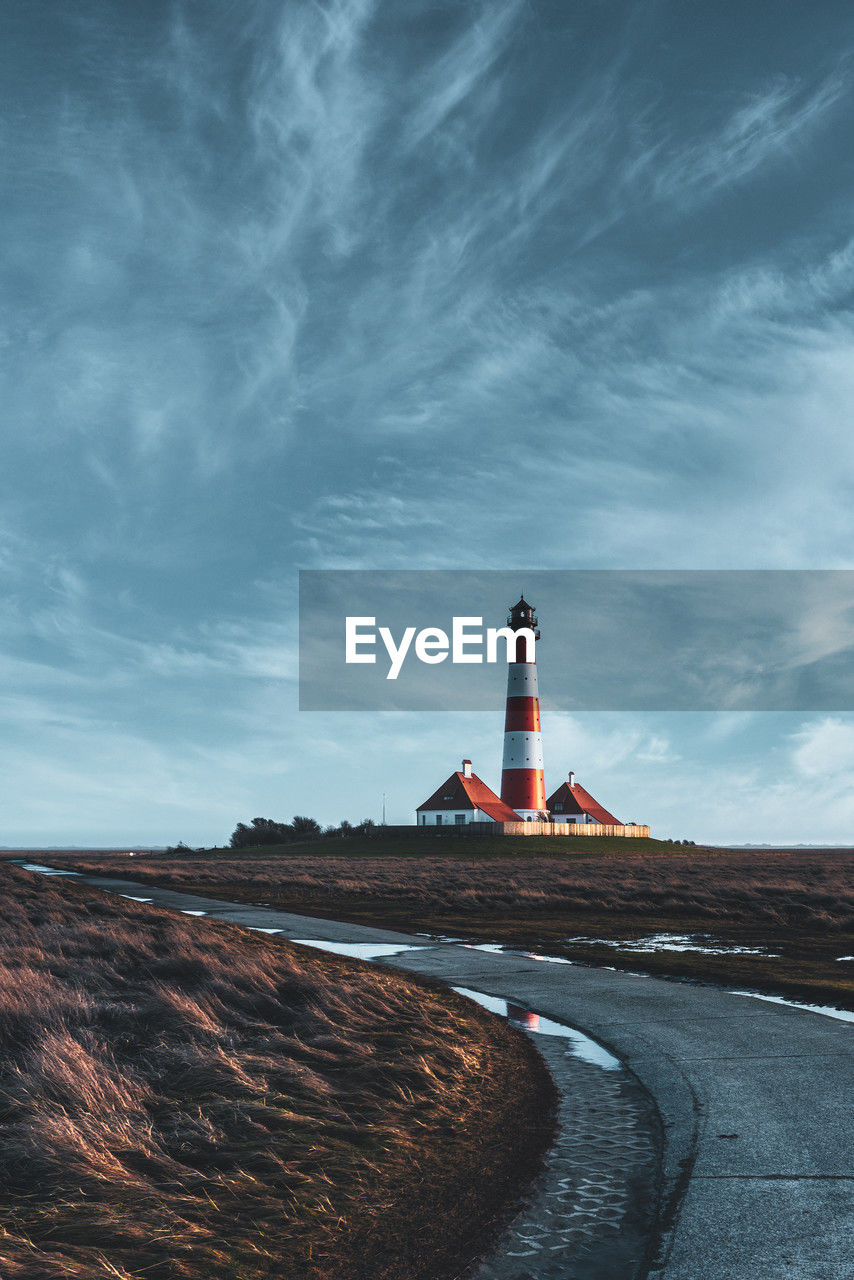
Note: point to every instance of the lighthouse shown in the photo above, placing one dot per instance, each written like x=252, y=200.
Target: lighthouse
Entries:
x=465, y=805
x=522, y=784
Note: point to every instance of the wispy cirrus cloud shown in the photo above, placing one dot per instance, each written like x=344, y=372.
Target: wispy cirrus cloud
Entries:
x=464, y=73
x=354, y=284
x=765, y=128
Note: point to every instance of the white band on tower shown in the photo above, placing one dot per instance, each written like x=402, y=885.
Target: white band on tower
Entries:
x=523, y=751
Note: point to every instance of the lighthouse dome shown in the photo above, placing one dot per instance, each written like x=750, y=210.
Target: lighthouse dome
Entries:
x=522, y=615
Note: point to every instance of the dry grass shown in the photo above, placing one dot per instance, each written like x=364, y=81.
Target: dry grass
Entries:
x=796, y=902
x=782, y=888
x=182, y=1101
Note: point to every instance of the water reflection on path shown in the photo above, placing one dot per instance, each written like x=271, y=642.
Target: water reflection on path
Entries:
x=844, y=1015
x=44, y=871
x=358, y=950
x=578, y=1044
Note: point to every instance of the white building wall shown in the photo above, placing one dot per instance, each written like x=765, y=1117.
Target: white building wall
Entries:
x=430, y=817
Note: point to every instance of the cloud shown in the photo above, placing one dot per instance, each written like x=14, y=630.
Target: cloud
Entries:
x=341, y=284
x=763, y=129
x=823, y=753
x=607, y=745
x=312, y=111
x=456, y=74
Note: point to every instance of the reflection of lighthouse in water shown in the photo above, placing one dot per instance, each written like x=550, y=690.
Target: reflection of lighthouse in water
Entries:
x=523, y=1017
x=522, y=783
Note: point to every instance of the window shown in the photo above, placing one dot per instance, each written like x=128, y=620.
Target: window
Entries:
x=424, y=819
x=459, y=818
x=559, y=807
x=438, y=819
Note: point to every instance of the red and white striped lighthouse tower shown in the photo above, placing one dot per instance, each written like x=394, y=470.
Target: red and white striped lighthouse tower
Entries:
x=522, y=783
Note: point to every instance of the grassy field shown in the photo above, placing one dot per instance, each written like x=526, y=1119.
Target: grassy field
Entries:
x=186, y=1101
x=445, y=844
x=798, y=904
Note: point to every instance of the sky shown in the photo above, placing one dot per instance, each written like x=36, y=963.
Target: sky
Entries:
x=470, y=285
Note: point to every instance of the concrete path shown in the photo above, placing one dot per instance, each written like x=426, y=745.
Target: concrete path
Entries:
x=754, y=1098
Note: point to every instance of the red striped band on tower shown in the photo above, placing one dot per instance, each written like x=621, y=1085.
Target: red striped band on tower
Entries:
x=522, y=781
x=523, y=715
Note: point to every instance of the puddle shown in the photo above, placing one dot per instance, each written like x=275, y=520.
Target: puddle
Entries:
x=843, y=1015
x=193, y=913
x=254, y=928
x=44, y=871
x=706, y=944
x=359, y=950
x=498, y=949
x=845, y=958
x=580, y=1045
x=698, y=942
x=131, y=897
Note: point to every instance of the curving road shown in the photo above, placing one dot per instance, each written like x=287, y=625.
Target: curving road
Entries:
x=754, y=1097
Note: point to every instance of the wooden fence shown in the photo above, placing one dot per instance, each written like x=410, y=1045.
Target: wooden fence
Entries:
x=510, y=829
x=562, y=829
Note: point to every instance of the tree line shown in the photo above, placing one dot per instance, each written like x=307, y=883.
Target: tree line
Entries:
x=262, y=831
x=267, y=831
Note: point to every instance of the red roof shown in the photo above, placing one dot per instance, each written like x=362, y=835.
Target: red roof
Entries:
x=460, y=792
x=576, y=800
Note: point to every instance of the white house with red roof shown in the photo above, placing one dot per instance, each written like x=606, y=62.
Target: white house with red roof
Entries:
x=463, y=798
x=571, y=803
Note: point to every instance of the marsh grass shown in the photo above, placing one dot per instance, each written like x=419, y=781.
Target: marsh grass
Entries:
x=796, y=903
x=180, y=1100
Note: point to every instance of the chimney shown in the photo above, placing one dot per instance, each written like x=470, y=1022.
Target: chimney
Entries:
x=571, y=778
x=467, y=768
